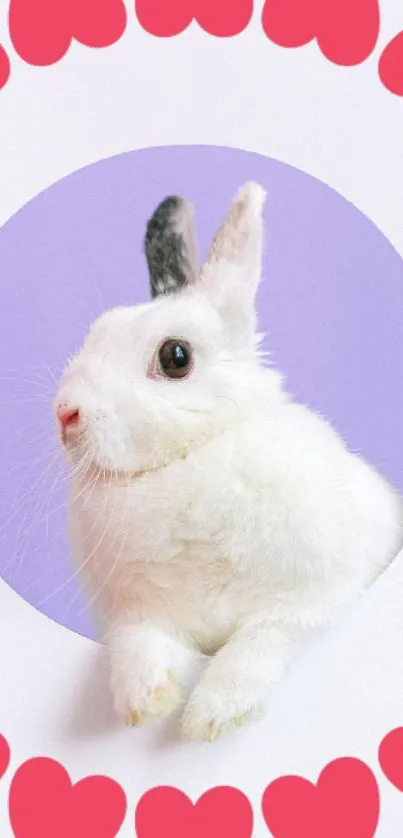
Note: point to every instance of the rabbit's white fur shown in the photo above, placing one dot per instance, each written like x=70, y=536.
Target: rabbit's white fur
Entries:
x=212, y=515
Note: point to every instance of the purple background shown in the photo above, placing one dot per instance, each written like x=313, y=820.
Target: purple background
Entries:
x=331, y=303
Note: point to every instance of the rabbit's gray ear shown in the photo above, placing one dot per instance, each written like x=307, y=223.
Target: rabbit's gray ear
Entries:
x=171, y=246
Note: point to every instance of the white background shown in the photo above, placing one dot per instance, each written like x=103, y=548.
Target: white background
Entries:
x=340, y=125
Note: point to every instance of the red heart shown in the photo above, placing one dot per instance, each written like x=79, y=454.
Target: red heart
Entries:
x=346, y=30
x=222, y=18
x=343, y=804
x=4, y=755
x=391, y=757
x=166, y=812
x=42, y=32
x=4, y=67
x=43, y=803
x=391, y=65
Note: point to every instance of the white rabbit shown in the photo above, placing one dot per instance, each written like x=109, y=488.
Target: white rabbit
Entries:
x=210, y=514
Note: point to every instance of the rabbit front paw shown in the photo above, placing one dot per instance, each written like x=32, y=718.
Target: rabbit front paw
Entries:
x=139, y=702
x=210, y=713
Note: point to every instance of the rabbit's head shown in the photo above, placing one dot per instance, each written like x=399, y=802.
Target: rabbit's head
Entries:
x=154, y=382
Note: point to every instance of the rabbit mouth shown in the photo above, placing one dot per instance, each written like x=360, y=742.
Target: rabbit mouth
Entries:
x=87, y=466
x=96, y=474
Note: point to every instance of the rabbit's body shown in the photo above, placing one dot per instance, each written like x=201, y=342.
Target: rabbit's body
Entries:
x=210, y=513
x=272, y=515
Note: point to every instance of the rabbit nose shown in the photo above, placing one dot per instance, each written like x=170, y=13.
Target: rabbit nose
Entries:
x=68, y=418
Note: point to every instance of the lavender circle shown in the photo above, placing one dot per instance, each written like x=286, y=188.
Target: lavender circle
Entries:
x=331, y=304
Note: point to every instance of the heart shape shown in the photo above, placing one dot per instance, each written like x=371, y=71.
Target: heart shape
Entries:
x=4, y=755
x=43, y=803
x=166, y=19
x=345, y=802
x=391, y=757
x=346, y=30
x=42, y=32
x=391, y=65
x=166, y=812
x=4, y=67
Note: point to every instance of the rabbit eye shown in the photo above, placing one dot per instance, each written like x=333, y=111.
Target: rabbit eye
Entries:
x=175, y=359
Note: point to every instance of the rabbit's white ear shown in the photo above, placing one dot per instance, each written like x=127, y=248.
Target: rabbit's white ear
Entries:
x=232, y=271
x=171, y=246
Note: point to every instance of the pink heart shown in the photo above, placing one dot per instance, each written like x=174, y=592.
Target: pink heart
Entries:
x=343, y=804
x=391, y=757
x=391, y=65
x=167, y=18
x=43, y=803
x=166, y=812
x=42, y=31
x=4, y=67
x=4, y=755
x=346, y=30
